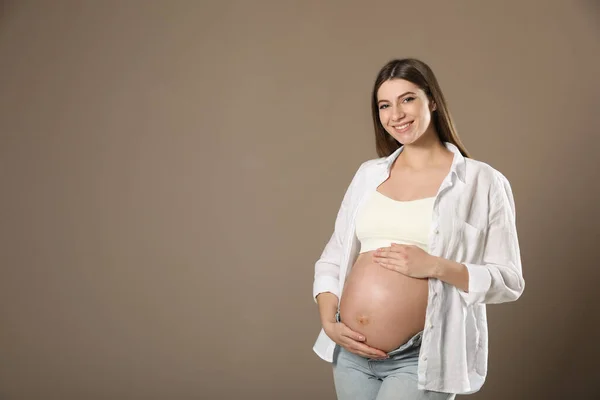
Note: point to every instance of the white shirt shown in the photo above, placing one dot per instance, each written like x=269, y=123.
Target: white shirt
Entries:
x=473, y=223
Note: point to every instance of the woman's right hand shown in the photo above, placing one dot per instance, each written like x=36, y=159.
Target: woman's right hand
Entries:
x=351, y=341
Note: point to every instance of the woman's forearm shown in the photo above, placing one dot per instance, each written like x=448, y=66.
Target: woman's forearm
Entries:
x=451, y=272
x=328, y=304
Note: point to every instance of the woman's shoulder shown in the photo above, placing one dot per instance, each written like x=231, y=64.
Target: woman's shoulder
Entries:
x=365, y=169
x=372, y=162
x=482, y=174
x=476, y=170
x=370, y=165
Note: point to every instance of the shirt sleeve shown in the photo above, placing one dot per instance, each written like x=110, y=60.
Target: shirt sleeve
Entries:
x=327, y=267
x=499, y=278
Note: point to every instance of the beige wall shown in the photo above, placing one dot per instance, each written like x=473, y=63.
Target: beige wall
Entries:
x=170, y=172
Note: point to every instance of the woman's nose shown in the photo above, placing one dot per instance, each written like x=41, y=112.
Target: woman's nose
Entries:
x=398, y=113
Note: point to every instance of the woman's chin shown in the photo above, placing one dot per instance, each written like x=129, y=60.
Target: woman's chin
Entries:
x=407, y=138
x=405, y=141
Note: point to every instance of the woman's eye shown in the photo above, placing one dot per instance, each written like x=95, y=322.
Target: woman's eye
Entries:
x=381, y=107
x=408, y=99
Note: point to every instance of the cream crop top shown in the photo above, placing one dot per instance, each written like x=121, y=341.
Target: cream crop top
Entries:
x=382, y=220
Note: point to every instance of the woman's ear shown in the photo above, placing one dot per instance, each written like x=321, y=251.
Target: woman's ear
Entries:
x=433, y=106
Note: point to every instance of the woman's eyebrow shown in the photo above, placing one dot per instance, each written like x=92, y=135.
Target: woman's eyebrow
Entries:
x=402, y=95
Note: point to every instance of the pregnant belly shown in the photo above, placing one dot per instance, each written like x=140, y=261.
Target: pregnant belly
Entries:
x=385, y=306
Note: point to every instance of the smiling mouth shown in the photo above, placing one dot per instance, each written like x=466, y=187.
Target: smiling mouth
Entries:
x=403, y=128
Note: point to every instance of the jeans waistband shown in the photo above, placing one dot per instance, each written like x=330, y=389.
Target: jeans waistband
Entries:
x=413, y=342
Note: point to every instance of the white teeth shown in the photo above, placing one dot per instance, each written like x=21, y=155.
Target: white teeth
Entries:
x=402, y=126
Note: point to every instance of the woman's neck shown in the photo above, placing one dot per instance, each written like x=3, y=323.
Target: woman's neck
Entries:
x=425, y=153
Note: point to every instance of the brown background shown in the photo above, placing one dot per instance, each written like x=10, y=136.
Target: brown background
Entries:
x=171, y=170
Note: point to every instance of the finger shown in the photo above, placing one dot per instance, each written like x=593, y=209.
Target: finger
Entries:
x=401, y=251
x=353, y=335
x=381, y=258
x=388, y=266
x=367, y=355
x=359, y=348
x=391, y=260
x=396, y=268
x=389, y=253
x=370, y=351
x=389, y=263
x=401, y=246
x=364, y=349
x=383, y=250
x=361, y=353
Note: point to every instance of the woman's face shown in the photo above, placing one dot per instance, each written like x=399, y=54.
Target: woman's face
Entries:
x=404, y=110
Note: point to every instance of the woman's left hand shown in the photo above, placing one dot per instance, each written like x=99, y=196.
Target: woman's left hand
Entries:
x=409, y=260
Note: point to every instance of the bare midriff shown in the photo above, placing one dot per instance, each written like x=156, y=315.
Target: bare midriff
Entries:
x=385, y=306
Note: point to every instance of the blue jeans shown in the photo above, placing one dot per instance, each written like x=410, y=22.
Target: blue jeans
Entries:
x=360, y=378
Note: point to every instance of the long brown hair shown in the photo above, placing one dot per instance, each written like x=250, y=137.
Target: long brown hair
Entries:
x=420, y=74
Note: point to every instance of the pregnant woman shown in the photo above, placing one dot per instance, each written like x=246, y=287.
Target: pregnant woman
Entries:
x=425, y=237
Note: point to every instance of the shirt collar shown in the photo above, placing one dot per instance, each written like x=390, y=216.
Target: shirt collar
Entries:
x=458, y=162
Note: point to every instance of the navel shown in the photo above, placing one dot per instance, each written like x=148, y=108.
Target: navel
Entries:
x=362, y=319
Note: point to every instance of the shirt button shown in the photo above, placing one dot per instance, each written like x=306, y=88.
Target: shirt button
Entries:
x=436, y=231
